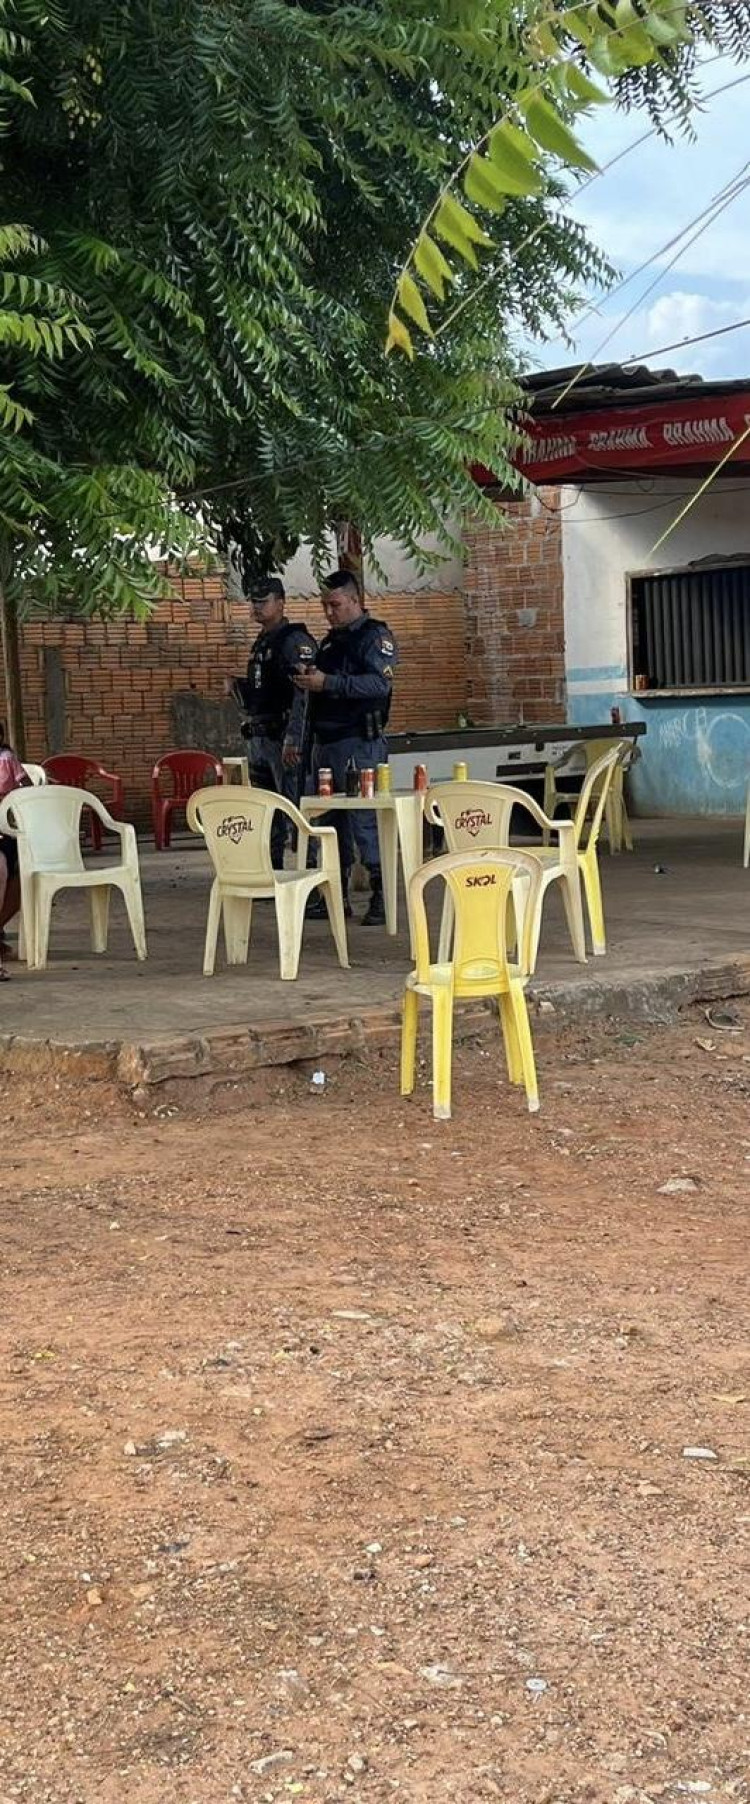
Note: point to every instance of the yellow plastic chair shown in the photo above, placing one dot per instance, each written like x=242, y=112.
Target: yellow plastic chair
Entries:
x=580, y=758
x=592, y=802
x=235, y=822
x=479, y=814
x=46, y=821
x=482, y=886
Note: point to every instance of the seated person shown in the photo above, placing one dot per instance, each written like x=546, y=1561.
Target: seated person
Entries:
x=12, y=776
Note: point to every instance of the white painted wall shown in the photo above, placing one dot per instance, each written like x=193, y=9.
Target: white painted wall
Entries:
x=608, y=532
x=400, y=574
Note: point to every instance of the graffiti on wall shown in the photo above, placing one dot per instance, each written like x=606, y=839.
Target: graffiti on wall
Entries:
x=695, y=758
x=719, y=740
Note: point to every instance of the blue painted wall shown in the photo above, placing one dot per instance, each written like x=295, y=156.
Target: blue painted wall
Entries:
x=695, y=754
x=696, y=750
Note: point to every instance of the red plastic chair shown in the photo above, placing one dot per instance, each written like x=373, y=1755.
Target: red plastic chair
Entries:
x=188, y=771
x=75, y=770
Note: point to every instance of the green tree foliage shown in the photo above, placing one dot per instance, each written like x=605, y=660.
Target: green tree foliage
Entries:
x=646, y=52
x=213, y=197
x=208, y=203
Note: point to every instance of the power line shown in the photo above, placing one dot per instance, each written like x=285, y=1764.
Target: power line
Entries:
x=634, y=513
x=722, y=196
x=680, y=343
x=643, y=138
x=701, y=221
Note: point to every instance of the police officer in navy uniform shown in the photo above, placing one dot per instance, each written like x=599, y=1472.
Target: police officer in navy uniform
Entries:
x=275, y=709
x=349, y=689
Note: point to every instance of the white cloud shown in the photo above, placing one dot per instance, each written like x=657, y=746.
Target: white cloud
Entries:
x=682, y=315
x=634, y=208
x=675, y=316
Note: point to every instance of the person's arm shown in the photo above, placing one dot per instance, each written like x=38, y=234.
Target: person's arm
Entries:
x=298, y=652
x=12, y=773
x=237, y=688
x=373, y=683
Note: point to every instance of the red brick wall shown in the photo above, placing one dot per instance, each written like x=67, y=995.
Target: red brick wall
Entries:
x=515, y=641
x=119, y=677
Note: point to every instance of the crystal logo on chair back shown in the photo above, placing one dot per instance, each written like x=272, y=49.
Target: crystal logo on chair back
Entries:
x=233, y=826
x=470, y=821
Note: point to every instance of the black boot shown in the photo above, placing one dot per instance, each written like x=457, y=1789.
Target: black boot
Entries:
x=375, y=916
x=316, y=909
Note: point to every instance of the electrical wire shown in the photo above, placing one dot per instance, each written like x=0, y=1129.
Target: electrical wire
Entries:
x=722, y=197
x=707, y=218
x=643, y=138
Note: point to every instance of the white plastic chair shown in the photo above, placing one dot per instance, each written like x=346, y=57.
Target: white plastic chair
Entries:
x=746, y=849
x=236, y=824
x=36, y=774
x=46, y=821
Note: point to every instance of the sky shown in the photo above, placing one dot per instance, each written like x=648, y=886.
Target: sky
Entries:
x=645, y=200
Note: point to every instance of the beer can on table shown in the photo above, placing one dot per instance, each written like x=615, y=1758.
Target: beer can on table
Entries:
x=420, y=776
x=383, y=779
x=461, y=772
x=325, y=781
x=367, y=782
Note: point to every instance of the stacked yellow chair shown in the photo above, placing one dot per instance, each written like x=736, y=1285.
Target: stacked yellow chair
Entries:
x=580, y=758
x=480, y=814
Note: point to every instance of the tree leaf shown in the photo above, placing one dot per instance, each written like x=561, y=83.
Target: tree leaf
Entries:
x=452, y=213
x=637, y=48
x=552, y=133
x=399, y=337
x=432, y=266
x=516, y=135
x=483, y=184
x=583, y=91
x=451, y=234
x=662, y=31
x=577, y=23
x=413, y=304
x=544, y=42
x=514, y=168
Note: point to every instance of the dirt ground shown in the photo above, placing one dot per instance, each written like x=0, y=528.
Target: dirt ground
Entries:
x=344, y=1451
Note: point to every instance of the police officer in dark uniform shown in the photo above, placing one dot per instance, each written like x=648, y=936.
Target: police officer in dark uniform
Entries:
x=275, y=709
x=349, y=689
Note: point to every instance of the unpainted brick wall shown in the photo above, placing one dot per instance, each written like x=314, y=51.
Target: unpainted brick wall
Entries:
x=515, y=637
x=116, y=679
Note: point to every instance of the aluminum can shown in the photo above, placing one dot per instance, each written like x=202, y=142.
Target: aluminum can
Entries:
x=367, y=782
x=420, y=776
x=460, y=772
x=383, y=779
x=325, y=781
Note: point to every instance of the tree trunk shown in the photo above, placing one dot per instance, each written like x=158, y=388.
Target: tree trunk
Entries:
x=15, y=726
x=349, y=551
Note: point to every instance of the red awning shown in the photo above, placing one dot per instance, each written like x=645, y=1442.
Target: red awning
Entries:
x=671, y=435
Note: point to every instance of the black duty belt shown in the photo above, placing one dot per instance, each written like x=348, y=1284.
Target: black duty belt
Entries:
x=356, y=730
x=269, y=729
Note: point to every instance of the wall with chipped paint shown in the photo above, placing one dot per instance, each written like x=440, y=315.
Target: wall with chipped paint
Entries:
x=696, y=753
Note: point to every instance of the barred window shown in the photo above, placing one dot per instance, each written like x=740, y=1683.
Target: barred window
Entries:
x=691, y=628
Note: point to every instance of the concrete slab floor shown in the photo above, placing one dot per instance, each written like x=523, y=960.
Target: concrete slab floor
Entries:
x=696, y=913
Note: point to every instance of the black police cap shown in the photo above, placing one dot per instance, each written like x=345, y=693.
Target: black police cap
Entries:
x=270, y=586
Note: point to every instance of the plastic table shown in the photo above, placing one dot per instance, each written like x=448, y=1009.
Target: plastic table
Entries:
x=399, y=814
